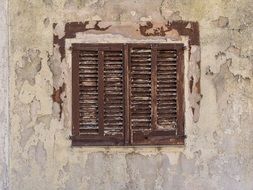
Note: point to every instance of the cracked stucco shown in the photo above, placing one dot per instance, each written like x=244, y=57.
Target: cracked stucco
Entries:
x=4, y=115
x=218, y=152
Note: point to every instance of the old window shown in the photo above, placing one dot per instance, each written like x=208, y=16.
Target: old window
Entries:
x=127, y=94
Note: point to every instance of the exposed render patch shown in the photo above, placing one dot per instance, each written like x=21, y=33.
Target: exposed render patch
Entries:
x=150, y=171
x=55, y=66
x=25, y=135
x=221, y=22
x=194, y=81
x=239, y=64
x=169, y=15
x=30, y=66
x=48, y=2
x=40, y=154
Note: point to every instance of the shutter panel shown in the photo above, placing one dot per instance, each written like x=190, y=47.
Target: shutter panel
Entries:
x=88, y=95
x=166, y=89
x=140, y=76
x=101, y=103
x=113, y=99
x=156, y=82
x=127, y=94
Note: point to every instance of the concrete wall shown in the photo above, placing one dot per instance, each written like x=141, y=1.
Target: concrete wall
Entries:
x=218, y=152
x=3, y=95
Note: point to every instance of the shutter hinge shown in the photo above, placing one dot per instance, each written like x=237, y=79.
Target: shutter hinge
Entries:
x=71, y=137
x=182, y=136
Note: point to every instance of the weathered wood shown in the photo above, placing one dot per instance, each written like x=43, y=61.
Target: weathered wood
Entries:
x=101, y=93
x=75, y=93
x=180, y=93
x=129, y=96
x=154, y=87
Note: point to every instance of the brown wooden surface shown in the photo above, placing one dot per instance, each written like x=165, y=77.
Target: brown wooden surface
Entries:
x=154, y=87
x=126, y=95
x=140, y=89
x=180, y=92
x=113, y=92
x=75, y=92
x=101, y=92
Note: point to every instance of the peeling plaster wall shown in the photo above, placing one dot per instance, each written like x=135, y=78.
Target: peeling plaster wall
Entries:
x=4, y=116
x=218, y=152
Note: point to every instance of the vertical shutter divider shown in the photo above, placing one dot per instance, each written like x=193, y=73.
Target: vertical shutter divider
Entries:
x=180, y=91
x=75, y=92
x=154, y=86
x=129, y=95
x=126, y=83
x=101, y=92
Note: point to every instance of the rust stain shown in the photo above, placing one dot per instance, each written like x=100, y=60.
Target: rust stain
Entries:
x=70, y=32
x=159, y=31
x=198, y=82
x=56, y=96
x=191, y=84
x=181, y=27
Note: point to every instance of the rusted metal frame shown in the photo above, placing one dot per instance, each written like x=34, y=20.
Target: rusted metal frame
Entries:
x=75, y=92
x=126, y=93
x=180, y=92
x=153, y=86
x=101, y=92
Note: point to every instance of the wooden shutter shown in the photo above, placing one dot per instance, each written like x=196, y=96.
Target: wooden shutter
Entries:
x=156, y=93
x=127, y=94
x=98, y=103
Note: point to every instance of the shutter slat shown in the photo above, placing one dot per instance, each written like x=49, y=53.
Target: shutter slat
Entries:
x=113, y=100
x=140, y=77
x=88, y=95
x=167, y=101
x=154, y=70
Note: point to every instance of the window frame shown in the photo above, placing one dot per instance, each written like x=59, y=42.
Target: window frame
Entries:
x=169, y=138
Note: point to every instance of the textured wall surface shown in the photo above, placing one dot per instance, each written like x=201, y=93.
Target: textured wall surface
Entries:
x=3, y=95
x=218, y=152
